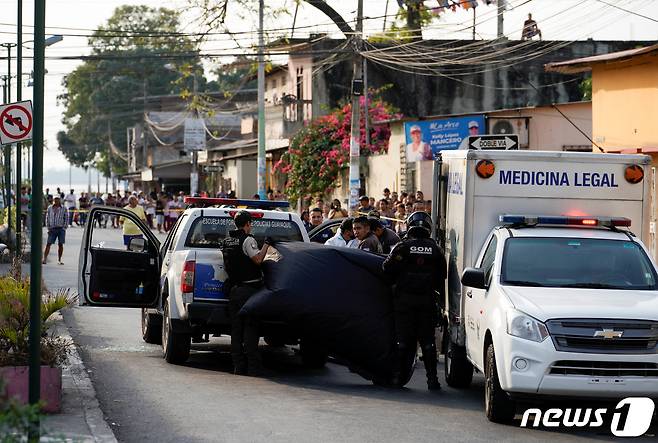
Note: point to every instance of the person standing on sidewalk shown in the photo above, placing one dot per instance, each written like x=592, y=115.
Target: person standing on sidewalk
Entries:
x=56, y=222
x=70, y=204
x=84, y=208
x=159, y=211
x=243, y=259
x=130, y=229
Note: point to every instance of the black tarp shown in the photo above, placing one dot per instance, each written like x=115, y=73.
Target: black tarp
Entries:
x=337, y=297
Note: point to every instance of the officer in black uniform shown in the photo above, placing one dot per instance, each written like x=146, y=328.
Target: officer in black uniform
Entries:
x=418, y=267
x=242, y=259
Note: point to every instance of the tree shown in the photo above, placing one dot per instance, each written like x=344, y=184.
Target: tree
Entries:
x=321, y=150
x=234, y=76
x=214, y=12
x=586, y=88
x=131, y=58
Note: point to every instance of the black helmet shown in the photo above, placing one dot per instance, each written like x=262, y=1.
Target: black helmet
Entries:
x=419, y=220
x=242, y=218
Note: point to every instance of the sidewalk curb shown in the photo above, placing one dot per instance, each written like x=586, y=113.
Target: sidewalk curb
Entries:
x=82, y=388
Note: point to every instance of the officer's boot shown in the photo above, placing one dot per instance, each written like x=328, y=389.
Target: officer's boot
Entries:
x=429, y=358
x=252, y=337
x=239, y=364
x=405, y=358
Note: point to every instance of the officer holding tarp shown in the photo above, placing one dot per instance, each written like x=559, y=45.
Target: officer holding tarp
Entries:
x=418, y=268
x=242, y=259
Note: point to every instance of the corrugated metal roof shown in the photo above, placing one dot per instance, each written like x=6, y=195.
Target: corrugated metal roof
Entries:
x=585, y=64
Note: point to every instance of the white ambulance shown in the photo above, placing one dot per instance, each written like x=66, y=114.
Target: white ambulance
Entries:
x=551, y=290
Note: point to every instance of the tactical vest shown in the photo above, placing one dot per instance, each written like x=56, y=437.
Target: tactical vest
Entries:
x=239, y=267
x=421, y=261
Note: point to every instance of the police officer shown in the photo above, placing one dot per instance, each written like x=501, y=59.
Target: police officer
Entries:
x=242, y=259
x=418, y=267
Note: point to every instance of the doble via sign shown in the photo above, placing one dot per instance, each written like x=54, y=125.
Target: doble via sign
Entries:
x=494, y=141
x=15, y=122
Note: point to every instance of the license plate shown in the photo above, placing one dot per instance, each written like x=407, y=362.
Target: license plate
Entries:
x=607, y=381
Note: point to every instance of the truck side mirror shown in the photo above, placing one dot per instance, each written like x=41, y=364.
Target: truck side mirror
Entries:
x=474, y=278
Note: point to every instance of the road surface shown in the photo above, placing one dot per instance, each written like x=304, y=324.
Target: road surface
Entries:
x=147, y=400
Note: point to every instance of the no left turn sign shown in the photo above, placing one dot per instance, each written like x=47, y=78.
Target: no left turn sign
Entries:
x=15, y=122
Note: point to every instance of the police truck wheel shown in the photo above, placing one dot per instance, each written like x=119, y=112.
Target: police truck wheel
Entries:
x=175, y=347
x=458, y=370
x=498, y=406
x=151, y=327
x=313, y=356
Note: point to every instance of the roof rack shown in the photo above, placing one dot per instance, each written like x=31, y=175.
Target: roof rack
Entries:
x=205, y=202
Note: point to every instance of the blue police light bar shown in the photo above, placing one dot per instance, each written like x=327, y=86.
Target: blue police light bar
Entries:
x=565, y=220
x=255, y=204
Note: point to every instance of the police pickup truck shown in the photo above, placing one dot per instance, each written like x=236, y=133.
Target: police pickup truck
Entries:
x=551, y=290
x=179, y=285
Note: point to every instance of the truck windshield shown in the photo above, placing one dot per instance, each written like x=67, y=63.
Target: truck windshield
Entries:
x=577, y=263
x=209, y=232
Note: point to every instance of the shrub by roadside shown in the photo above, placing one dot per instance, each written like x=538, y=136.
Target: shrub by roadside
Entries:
x=15, y=324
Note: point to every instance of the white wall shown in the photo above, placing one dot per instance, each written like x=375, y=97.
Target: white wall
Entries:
x=550, y=131
x=246, y=178
x=384, y=169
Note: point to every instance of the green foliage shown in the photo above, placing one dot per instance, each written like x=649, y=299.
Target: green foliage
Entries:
x=235, y=75
x=15, y=323
x=586, y=88
x=104, y=95
x=3, y=216
x=214, y=12
x=16, y=419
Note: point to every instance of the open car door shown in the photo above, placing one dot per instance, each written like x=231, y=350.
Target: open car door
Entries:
x=113, y=273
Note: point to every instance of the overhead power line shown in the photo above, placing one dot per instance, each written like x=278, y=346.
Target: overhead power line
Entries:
x=628, y=11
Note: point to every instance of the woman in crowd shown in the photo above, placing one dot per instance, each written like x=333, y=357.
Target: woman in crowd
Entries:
x=159, y=211
x=150, y=209
x=336, y=210
x=167, y=215
x=400, y=214
x=174, y=210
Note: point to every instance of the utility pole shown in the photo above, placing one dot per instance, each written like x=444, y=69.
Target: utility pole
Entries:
x=37, y=213
x=355, y=129
x=261, y=104
x=366, y=111
x=194, y=176
x=8, y=46
x=19, y=145
x=501, y=11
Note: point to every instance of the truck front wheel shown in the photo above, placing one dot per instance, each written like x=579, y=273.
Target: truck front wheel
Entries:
x=499, y=407
x=175, y=346
x=458, y=370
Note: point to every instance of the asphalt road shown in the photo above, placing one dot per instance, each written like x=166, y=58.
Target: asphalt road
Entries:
x=146, y=399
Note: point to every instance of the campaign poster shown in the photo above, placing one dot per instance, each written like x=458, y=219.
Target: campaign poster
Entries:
x=426, y=138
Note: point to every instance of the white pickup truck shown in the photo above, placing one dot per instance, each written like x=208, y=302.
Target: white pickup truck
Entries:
x=179, y=285
x=549, y=292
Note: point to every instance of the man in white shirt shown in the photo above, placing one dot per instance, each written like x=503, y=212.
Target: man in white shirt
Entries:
x=344, y=237
x=69, y=203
